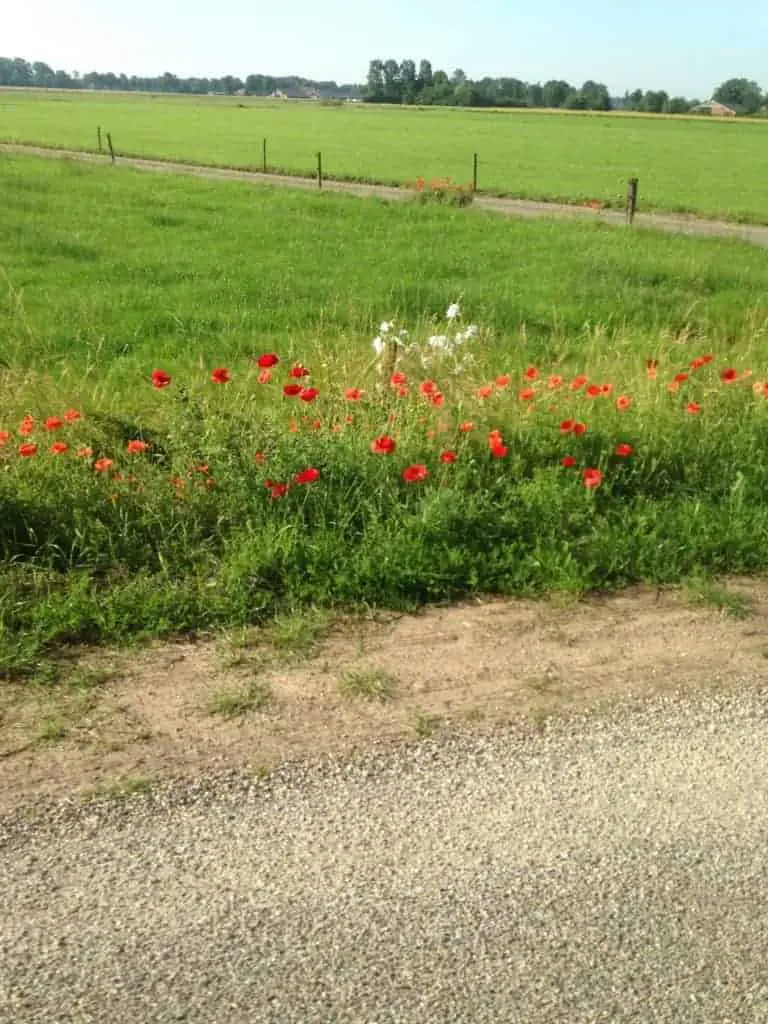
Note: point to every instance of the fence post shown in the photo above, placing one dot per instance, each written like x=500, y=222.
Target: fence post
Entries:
x=111, y=148
x=98, y=136
x=474, y=173
x=319, y=170
x=631, y=199
x=264, y=155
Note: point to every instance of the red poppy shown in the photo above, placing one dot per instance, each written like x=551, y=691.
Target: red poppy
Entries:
x=5, y=435
x=398, y=379
x=27, y=450
x=623, y=450
x=673, y=386
x=135, y=447
x=278, y=491
x=402, y=392
x=526, y=394
x=503, y=380
x=265, y=376
x=84, y=453
x=221, y=375
x=531, y=373
x=623, y=402
x=681, y=378
x=291, y=390
x=26, y=426
x=353, y=394
x=102, y=465
x=578, y=382
x=499, y=450
x=606, y=389
x=202, y=467
x=437, y=399
x=554, y=381
x=592, y=478
x=383, y=445
x=415, y=474
x=579, y=428
x=568, y=461
x=54, y=423
x=761, y=388
x=707, y=359
x=465, y=427
x=447, y=457
x=259, y=457
x=71, y=415
x=494, y=437
x=567, y=426
x=692, y=408
x=485, y=391
x=697, y=363
x=308, y=394
x=267, y=360
x=307, y=476
x=729, y=375
x=593, y=391
x=160, y=379
x=298, y=371
x=428, y=387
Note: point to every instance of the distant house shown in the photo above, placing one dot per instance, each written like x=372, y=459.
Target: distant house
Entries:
x=295, y=94
x=716, y=109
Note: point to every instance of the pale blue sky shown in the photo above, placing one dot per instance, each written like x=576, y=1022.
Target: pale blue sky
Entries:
x=686, y=47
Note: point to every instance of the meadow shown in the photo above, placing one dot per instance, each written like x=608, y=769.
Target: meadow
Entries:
x=709, y=167
x=211, y=412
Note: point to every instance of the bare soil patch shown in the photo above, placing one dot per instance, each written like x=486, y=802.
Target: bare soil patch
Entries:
x=128, y=719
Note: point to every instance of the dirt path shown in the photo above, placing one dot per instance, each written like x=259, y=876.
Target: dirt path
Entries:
x=673, y=224
x=132, y=719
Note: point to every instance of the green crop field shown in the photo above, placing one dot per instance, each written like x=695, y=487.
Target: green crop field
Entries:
x=197, y=431
x=706, y=166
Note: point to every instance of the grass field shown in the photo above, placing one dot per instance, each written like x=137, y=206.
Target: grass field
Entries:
x=219, y=499
x=696, y=165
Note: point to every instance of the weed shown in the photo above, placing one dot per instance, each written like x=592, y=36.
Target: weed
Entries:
x=233, y=703
x=368, y=684
x=707, y=592
x=51, y=730
x=425, y=724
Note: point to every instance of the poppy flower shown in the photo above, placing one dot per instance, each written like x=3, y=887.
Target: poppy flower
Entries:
x=383, y=445
x=531, y=373
x=135, y=447
x=554, y=381
x=593, y=391
x=415, y=474
x=201, y=467
x=707, y=359
x=58, y=448
x=526, y=394
x=291, y=390
x=447, y=457
x=680, y=378
x=503, y=380
x=567, y=426
x=579, y=428
x=102, y=465
x=353, y=394
x=673, y=386
x=623, y=402
x=606, y=389
x=54, y=423
x=71, y=415
x=760, y=388
x=176, y=481
x=485, y=391
x=692, y=408
x=592, y=478
x=499, y=450
x=623, y=450
x=160, y=379
x=494, y=437
x=729, y=375
x=26, y=426
x=27, y=450
x=568, y=461
x=465, y=427
x=697, y=363
x=259, y=457
x=84, y=453
x=398, y=379
x=437, y=399
x=267, y=360
x=307, y=476
x=308, y=394
x=402, y=392
x=428, y=387
x=278, y=491
x=578, y=382
x=221, y=375
x=298, y=371
x=5, y=435
x=265, y=376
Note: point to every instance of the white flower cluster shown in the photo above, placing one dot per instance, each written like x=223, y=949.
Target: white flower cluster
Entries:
x=437, y=345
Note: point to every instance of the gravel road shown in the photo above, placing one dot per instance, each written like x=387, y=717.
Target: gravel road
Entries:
x=612, y=867
x=678, y=224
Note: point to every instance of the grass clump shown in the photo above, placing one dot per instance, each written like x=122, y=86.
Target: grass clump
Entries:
x=235, y=703
x=367, y=684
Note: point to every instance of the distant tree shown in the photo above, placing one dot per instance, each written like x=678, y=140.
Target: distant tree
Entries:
x=513, y=92
x=740, y=93
x=576, y=101
x=634, y=100
x=678, y=105
x=374, y=86
x=425, y=75
x=536, y=95
x=596, y=95
x=555, y=93
x=393, y=87
x=655, y=102
x=408, y=85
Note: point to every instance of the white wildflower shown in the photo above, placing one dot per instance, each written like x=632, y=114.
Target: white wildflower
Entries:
x=471, y=331
x=386, y=327
x=379, y=345
x=438, y=341
x=453, y=311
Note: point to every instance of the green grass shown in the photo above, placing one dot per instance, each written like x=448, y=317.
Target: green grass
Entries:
x=367, y=684
x=235, y=703
x=108, y=274
x=699, y=165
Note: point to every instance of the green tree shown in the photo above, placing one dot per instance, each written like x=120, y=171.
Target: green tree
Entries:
x=425, y=75
x=408, y=84
x=374, y=86
x=742, y=94
x=555, y=93
x=393, y=87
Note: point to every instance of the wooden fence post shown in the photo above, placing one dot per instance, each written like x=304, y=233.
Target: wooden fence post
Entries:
x=631, y=199
x=98, y=137
x=264, y=155
x=111, y=148
x=319, y=170
x=474, y=173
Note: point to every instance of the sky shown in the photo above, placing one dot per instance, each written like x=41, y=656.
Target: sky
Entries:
x=686, y=47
